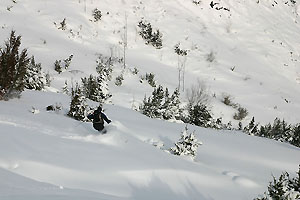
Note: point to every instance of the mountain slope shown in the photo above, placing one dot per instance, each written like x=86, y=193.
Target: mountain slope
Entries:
x=244, y=49
x=51, y=148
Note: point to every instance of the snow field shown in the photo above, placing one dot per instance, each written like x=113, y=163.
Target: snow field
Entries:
x=52, y=148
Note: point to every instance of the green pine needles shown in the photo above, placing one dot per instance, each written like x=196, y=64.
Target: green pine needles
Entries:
x=283, y=188
x=13, y=67
x=162, y=105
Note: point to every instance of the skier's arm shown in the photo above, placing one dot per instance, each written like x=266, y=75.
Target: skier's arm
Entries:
x=90, y=116
x=105, y=118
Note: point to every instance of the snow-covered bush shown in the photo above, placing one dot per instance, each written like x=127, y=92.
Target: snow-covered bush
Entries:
x=198, y=100
x=152, y=106
x=105, y=67
x=13, y=67
x=251, y=128
x=119, y=80
x=285, y=188
x=227, y=99
x=62, y=25
x=35, y=79
x=150, y=78
x=280, y=130
x=135, y=71
x=199, y=115
x=60, y=66
x=48, y=79
x=187, y=144
x=162, y=105
x=179, y=51
x=218, y=124
x=95, y=88
x=197, y=2
x=295, y=140
x=171, y=106
x=57, y=66
x=67, y=62
x=240, y=114
x=65, y=88
x=78, y=106
x=97, y=14
x=151, y=37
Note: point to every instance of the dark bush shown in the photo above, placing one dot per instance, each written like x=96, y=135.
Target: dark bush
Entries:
x=13, y=66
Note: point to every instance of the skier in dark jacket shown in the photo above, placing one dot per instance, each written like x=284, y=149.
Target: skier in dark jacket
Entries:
x=98, y=118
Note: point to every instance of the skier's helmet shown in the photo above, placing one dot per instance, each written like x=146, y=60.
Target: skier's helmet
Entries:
x=99, y=109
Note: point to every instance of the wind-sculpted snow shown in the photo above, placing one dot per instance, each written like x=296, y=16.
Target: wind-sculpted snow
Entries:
x=17, y=187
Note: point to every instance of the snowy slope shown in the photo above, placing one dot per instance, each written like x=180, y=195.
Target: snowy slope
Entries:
x=51, y=148
x=50, y=156
x=18, y=187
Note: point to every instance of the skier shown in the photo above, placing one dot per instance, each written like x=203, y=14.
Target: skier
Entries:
x=98, y=118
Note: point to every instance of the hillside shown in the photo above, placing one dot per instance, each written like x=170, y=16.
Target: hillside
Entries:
x=124, y=164
x=246, y=50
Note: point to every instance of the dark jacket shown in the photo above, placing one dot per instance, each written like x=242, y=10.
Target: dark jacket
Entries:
x=98, y=118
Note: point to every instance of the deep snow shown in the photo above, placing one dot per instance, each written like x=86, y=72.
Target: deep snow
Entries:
x=52, y=148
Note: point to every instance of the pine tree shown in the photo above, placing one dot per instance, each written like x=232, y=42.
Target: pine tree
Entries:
x=150, y=37
x=187, y=145
x=167, y=114
x=153, y=106
x=95, y=89
x=57, y=66
x=78, y=106
x=156, y=102
x=240, y=126
x=13, y=66
x=119, y=80
x=251, y=124
x=104, y=67
x=284, y=188
x=34, y=78
x=48, y=79
x=161, y=105
x=145, y=31
x=63, y=25
x=199, y=115
x=97, y=14
x=252, y=127
x=60, y=66
x=296, y=137
x=175, y=104
x=295, y=182
x=65, y=88
x=145, y=107
x=151, y=79
x=171, y=106
x=156, y=40
x=67, y=62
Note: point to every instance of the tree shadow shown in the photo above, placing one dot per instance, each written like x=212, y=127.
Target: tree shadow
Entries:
x=166, y=190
